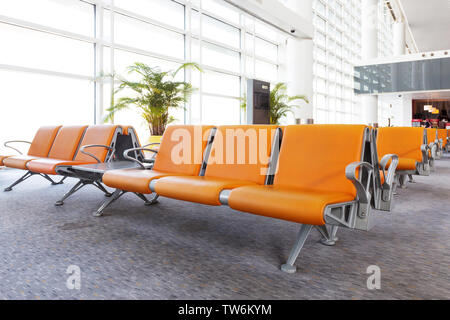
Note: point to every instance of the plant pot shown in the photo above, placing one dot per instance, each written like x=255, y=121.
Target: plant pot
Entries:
x=154, y=139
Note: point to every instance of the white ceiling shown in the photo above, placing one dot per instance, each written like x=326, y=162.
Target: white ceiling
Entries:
x=429, y=21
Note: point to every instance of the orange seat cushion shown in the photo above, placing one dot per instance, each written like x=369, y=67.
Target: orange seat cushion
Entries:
x=133, y=180
x=302, y=206
x=241, y=152
x=442, y=134
x=203, y=190
x=303, y=166
x=48, y=166
x=402, y=141
x=432, y=135
x=2, y=158
x=66, y=142
x=18, y=162
x=382, y=180
x=43, y=141
x=406, y=164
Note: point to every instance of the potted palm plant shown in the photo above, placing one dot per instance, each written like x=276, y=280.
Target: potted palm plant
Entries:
x=280, y=102
x=154, y=95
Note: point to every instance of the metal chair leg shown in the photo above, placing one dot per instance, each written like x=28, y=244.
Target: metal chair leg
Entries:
x=148, y=202
x=116, y=195
x=328, y=235
x=333, y=233
x=295, y=251
x=80, y=184
x=53, y=182
x=401, y=180
x=102, y=188
x=20, y=180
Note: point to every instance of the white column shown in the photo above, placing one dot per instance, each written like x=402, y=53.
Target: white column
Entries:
x=399, y=38
x=299, y=63
x=369, y=29
x=405, y=106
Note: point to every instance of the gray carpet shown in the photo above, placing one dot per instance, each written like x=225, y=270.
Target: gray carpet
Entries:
x=178, y=250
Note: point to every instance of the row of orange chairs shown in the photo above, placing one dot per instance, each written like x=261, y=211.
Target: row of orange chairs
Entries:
x=322, y=176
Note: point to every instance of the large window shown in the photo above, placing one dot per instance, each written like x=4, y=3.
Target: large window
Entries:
x=47, y=65
x=230, y=46
x=337, y=39
x=337, y=45
x=66, y=51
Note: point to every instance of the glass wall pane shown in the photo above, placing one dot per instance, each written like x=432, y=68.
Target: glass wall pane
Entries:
x=220, y=57
x=219, y=83
x=220, y=111
x=220, y=31
x=36, y=100
x=165, y=11
x=70, y=15
x=34, y=49
x=124, y=59
x=266, y=49
x=145, y=36
x=266, y=71
x=222, y=10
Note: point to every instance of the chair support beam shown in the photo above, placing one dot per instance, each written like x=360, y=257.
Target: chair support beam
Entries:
x=303, y=233
x=328, y=234
x=80, y=184
x=28, y=174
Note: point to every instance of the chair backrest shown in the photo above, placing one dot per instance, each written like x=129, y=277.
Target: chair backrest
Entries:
x=66, y=142
x=97, y=134
x=442, y=134
x=402, y=141
x=126, y=140
x=181, y=149
x=431, y=135
x=43, y=141
x=314, y=157
x=241, y=152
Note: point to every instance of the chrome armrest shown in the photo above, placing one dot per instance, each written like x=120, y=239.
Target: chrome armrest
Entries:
x=6, y=144
x=151, y=144
x=390, y=175
x=361, y=190
x=96, y=146
x=126, y=156
x=433, y=148
x=424, y=150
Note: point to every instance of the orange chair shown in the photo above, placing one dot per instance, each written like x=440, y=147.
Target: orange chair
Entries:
x=312, y=186
x=433, y=145
x=234, y=161
x=165, y=164
x=384, y=177
x=3, y=158
x=63, y=150
x=410, y=144
x=100, y=140
x=442, y=141
x=39, y=148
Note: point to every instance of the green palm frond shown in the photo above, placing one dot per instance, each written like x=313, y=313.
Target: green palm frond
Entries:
x=279, y=102
x=154, y=94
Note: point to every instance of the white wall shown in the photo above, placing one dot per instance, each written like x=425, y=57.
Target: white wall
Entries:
x=401, y=111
